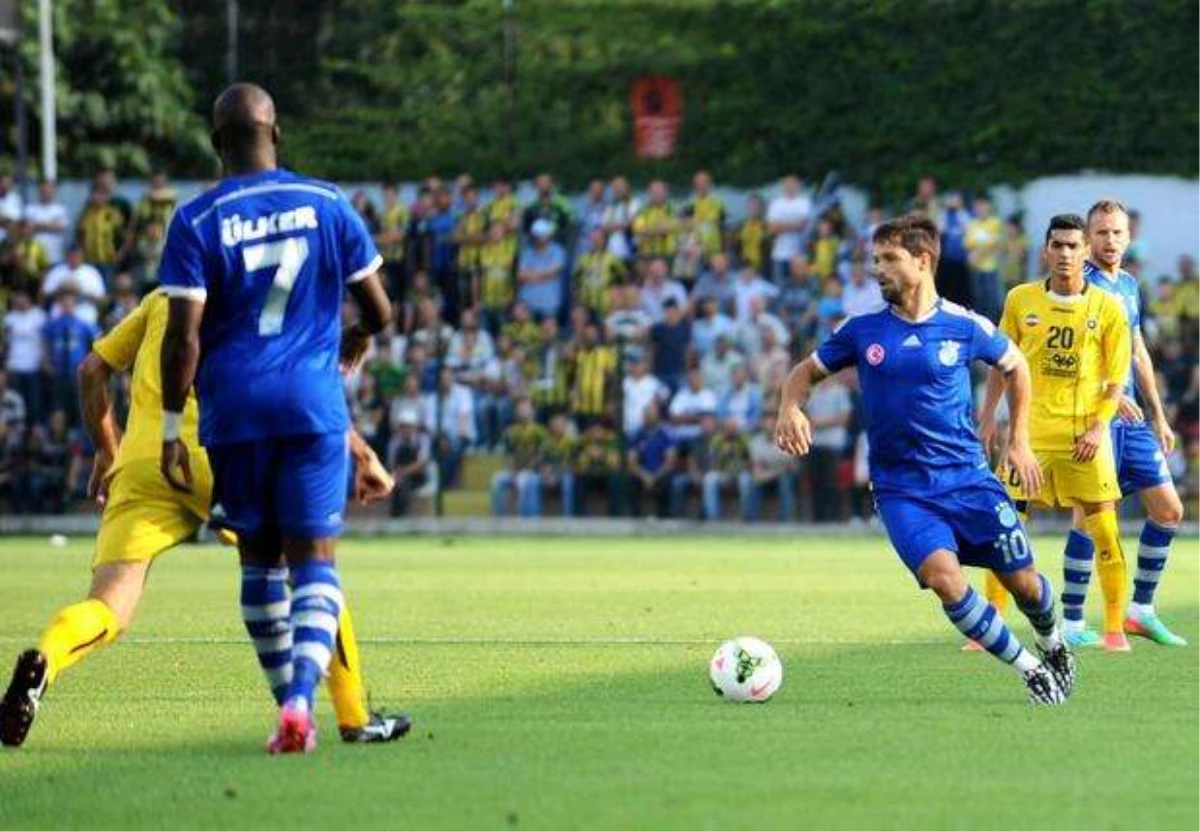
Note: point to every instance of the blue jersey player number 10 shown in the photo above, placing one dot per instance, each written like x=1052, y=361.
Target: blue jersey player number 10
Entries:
x=933, y=487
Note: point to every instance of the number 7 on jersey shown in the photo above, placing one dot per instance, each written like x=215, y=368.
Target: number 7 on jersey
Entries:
x=287, y=256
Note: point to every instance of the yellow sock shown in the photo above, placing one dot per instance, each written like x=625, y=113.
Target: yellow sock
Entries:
x=345, y=676
x=75, y=632
x=997, y=595
x=1110, y=565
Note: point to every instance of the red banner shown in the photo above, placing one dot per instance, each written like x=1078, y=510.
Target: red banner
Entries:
x=657, y=112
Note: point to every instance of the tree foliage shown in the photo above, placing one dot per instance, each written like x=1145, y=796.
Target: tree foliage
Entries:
x=971, y=91
x=122, y=95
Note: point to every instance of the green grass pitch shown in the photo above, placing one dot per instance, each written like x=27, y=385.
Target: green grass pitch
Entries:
x=561, y=683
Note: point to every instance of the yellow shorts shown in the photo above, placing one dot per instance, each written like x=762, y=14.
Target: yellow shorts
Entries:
x=1068, y=482
x=145, y=517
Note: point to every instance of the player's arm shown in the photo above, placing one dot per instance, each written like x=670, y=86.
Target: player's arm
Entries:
x=793, y=432
x=994, y=347
x=115, y=352
x=996, y=380
x=362, y=262
x=1143, y=375
x=181, y=273
x=1116, y=347
x=375, y=313
x=179, y=361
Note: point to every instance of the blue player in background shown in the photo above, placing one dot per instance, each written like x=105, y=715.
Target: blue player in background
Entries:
x=933, y=487
x=256, y=270
x=1141, y=441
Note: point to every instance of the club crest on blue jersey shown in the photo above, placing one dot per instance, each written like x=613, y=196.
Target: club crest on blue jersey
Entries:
x=1006, y=515
x=948, y=354
x=875, y=354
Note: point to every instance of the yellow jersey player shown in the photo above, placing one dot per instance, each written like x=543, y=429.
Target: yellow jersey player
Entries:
x=144, y=517
x=1076, y=340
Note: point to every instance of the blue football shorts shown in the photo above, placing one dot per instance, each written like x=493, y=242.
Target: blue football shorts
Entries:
x=293, y=485
x=1141, y=463
x=978, y=522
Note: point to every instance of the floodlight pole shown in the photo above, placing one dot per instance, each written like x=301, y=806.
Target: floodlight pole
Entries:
x=231, y=41
x=46, y=78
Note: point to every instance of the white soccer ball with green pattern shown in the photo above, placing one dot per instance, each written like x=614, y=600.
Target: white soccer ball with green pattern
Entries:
x=745, y=669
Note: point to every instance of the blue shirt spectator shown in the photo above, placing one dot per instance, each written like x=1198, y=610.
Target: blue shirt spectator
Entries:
x=652, y=446
x=540, y=272
x=68, y=338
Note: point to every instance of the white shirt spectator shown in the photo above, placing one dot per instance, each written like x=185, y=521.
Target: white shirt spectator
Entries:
x=654, y=298
x=10, y=209
x=55, y=214
x=458, y=414
x=788, y=210
x=828, y=401
x=621, y=213
x=750, y=337
x=744, y=291
x=764, y=452
x=640, y=393
x=691, y=404
x=23, y=332
x=859, y=300
x=485, y=348
x=630, y=324
x=706, y=331
x=87, y=282
x=717, y=370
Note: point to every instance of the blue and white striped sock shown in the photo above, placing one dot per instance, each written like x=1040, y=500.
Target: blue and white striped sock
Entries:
x=266, y=611
x=1041, y=615
x=978, y=620
x=1077, y=574
x=316, y=602
x=1153, y=547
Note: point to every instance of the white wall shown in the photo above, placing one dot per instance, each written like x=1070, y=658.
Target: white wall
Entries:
x=1169, y=207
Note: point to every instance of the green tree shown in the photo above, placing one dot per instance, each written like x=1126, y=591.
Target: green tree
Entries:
x=122, y=96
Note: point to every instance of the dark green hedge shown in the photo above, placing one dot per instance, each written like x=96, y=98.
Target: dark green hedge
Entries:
x=972, y=91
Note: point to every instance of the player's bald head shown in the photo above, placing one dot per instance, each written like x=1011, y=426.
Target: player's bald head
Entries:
x=244, y=122
x=243, y=106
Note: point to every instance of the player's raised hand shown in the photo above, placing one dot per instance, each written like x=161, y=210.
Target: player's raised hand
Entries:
x=97, y=488
x=1129, y=410
x=1087, y=445
x=372, y=481
x=175, y=465
x=793, y=433
x=1022, y=460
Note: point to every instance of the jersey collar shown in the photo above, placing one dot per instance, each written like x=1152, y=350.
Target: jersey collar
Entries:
x=937, y=307
x=1068, y=298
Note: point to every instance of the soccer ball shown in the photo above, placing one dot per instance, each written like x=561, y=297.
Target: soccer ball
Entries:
x=745, y=669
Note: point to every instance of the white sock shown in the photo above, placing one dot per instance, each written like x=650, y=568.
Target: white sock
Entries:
x=1025, y=662
x=1050, y=641
x=1073, y=627
x=1140, y=610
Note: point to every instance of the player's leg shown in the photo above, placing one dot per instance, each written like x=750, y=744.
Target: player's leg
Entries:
x=926, y=541
x=267, y=606
x=1078, y=557
x=355, y=723
x=307, y=476
x=1035, y=598
x=140, y=523
x=979, y=621
x=1164, y=512
x=1100, y=520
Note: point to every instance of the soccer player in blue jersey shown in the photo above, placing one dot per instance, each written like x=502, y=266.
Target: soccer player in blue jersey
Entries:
x=934, y=491
x=1142, y=438
x=256, y=270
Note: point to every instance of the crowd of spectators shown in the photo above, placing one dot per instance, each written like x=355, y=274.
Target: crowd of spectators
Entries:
x=623, y=352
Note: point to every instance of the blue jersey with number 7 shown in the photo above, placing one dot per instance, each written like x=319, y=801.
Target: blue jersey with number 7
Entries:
x=270, y=254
